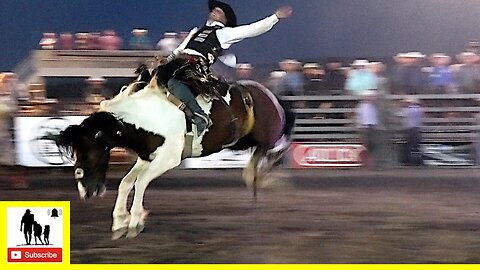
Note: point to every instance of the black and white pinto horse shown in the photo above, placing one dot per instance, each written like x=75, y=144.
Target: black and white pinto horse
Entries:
x=149, y=124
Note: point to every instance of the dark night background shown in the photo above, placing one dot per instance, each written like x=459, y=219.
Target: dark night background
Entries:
x=319, y=28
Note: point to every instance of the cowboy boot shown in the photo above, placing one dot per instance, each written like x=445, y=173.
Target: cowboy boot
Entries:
x=201, y=120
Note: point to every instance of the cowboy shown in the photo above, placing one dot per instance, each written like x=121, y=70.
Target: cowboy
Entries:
x=203, y=46
x=468, y=72
x=440, y=77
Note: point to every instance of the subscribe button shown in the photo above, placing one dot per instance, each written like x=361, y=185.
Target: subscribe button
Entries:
x=34, y=255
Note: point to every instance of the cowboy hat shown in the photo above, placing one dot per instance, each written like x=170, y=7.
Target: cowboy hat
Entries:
x=139, y=31
x=227, y=9
x=311, y=65
x=289, y=61
x=413, y=55
x=359, y=63
x=439, y=55
x=243, y=66
x=462, y=56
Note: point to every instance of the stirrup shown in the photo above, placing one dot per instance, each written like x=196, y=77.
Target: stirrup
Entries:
x=205, y=118
x=205, y=121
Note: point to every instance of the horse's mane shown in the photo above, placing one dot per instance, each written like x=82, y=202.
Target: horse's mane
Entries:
x=67, y=139
x=99, y=121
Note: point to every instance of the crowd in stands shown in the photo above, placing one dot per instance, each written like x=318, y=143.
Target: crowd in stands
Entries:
x=109, y=40
x=412, y=73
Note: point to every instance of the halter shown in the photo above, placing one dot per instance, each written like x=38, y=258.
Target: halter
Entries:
x=100, y=138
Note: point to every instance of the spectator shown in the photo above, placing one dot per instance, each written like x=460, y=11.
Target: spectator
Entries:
x=440, y=77
x=14, y=88
x=96, y=90
x=399, y=74
x=94, y=41
x=408, y=77
x=468, y=73
x=387, y=128
x=314, y=84
x=82, y=41
x=292, y=83
x=274, y=82
x=110, y=41
x=476, y=133
x=168, y=43
x=413, y=115
x=66, y=41
x=367, y=121
x=243, y=71
x=140, y=40
x=8, y=108
x=360, y=79
x=334, y=76
x=182, y=36
x=378, y=68
x=473, y=46
x=48, y=41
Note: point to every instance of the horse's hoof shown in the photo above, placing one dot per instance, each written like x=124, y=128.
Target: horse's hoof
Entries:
x=119, y=233
x=133, y=232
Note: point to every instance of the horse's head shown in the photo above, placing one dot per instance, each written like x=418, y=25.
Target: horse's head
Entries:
x=90, y=155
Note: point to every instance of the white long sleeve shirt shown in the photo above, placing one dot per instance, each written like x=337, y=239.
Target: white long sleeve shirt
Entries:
x=230, y=35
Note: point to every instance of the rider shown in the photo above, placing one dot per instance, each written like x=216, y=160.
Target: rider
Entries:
x=202, y=47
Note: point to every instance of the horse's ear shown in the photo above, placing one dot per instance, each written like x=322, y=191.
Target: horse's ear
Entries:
x=153, y=82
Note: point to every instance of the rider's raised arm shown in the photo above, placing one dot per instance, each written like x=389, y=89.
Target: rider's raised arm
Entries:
x=229, y=35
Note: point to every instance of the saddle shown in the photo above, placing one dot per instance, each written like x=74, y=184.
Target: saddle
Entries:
x=209, y=87
x=202, y=83
x=195, y=73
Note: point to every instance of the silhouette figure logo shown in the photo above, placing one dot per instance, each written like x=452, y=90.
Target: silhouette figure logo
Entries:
x=34, y=234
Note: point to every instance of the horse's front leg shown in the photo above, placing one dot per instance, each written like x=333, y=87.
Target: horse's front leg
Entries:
x=166, y=157
x=121, y=217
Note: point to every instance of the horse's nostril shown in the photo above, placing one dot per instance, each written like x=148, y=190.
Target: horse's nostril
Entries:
x=79, y=173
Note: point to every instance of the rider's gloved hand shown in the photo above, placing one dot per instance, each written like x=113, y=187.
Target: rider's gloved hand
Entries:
x=284, y=12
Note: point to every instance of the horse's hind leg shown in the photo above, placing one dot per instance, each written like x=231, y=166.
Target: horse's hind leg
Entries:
x=121, y=217
x=262, y=162
x=251, y=174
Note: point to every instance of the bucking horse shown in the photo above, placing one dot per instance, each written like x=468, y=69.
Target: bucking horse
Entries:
x=245, y=114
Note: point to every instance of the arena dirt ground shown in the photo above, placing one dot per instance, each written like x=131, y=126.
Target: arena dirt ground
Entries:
x=315, y=216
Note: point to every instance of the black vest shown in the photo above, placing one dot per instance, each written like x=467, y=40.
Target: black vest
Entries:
x=205, y=41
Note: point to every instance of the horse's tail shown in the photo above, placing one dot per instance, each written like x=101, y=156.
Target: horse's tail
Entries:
x=289, y=117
